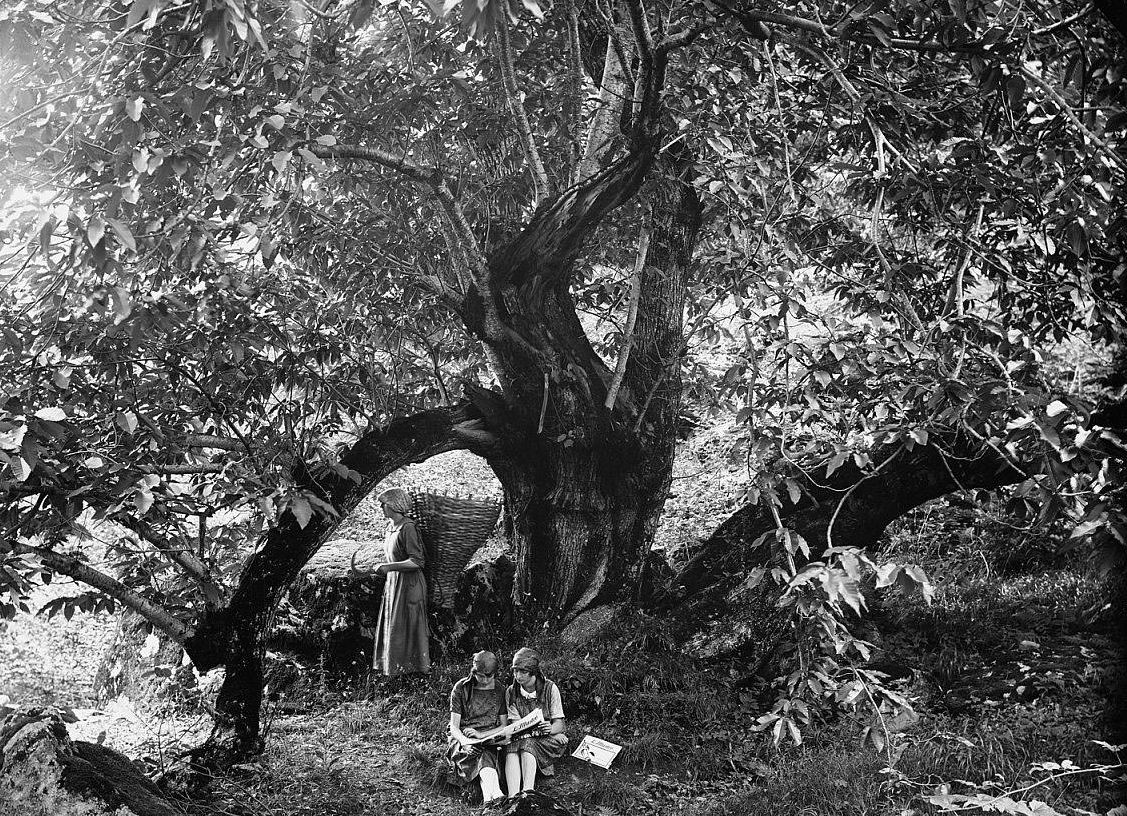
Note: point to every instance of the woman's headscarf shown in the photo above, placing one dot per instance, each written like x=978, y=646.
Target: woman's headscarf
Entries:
x=529, y=660
x=397, y=499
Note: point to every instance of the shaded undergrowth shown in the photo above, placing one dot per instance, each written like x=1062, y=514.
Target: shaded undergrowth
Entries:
x=1010, y=668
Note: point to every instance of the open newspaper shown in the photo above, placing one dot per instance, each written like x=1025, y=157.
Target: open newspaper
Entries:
x=517, y=728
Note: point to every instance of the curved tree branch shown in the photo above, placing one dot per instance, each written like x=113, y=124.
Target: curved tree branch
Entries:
x=612, y=95
x=558, y=230
x=860, y=504
x=289, y=545
x=73, y=568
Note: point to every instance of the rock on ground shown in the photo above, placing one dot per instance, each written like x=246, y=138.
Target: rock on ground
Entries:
x=531, y=803
x=45, y=773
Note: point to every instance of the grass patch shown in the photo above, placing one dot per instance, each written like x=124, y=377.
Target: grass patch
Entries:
x=827, y=782
x=425, y=763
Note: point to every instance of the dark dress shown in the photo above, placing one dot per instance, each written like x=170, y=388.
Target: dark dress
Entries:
x=547, y=749
x=402, y=635
x=483, y=712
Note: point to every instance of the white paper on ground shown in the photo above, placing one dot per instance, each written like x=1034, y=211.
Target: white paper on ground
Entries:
x=596, y=751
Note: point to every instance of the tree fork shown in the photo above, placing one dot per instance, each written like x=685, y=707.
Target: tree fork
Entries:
x=586, y=490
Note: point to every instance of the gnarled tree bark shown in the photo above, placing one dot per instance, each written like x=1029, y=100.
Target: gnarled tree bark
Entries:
x=585, y=483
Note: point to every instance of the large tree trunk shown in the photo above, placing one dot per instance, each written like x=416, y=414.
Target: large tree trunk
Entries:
x=584, y=483
x=232, y=636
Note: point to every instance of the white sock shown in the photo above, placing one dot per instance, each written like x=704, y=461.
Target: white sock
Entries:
x=490, y=786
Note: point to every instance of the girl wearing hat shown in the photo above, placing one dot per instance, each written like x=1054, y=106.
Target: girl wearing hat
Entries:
x=477, y=704
x=539, y=750
x=401, y=642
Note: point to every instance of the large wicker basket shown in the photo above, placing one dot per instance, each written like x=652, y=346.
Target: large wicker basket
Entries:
x=453, y=528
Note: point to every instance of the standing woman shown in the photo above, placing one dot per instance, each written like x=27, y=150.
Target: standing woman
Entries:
x=401, y=644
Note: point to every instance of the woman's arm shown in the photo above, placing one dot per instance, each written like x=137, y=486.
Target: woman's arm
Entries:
x=557, y=724
x=406, y=565
x=412, y=545
x=503, y=717
x=456, y=731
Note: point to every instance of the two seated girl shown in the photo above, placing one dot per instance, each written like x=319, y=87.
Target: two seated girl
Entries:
x=479, y=703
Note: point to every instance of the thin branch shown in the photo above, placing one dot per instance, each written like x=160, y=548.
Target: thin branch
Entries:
x=478, y=264
x=466, y=253
x=192, y=565
x=72, y=567
x=612, y=95
x=461, y=225
x=903, y=302
x=575, y=97
x=1067, y=21
x=219, y=442
x=779, y=108
x=650, y=82
x=643, y=35
x=399, y=163
x=845, y=496
x=666, y=369
x=459, y=258
x=632, y=315
x=955, y=296
x=1061, y=103
x=542, y=188
x=35, y=108
x=543, y=406
x=180, y=470
x=216, y=405
x=644, y=42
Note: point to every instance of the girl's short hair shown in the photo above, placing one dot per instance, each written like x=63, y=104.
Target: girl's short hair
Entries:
x=484, y=661
x=397, y=499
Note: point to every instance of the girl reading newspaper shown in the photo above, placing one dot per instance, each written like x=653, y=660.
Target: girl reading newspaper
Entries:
x=477, y=707
x=532, y=694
